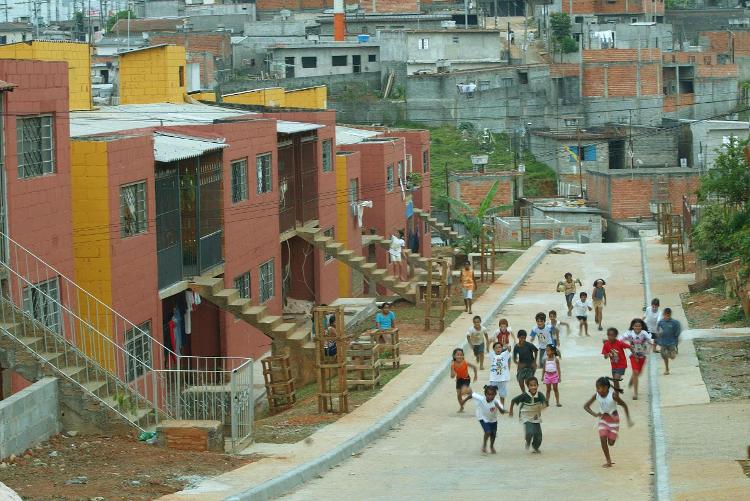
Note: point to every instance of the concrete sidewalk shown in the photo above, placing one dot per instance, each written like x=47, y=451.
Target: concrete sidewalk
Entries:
x=435, y=453
x=283, y=458
x=704, y=439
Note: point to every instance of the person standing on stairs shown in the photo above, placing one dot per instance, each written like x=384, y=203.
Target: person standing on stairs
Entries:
x=396, y=251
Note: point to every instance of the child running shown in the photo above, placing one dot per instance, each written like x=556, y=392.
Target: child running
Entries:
x=524, y=356
x=614, y=350
x=640, y=340
x=541, y=334
x=652, y=316
x=500, y=370
x=468, y=284
x=530, y=413
x=568, y=286
x=487, y=410
x=669, y=333
x=554, y=327
x=552, y=374
x=582, y=307
x=609, y=419
x=599, y=296
x=503, y=334
x=460, y=371
x=477, y=338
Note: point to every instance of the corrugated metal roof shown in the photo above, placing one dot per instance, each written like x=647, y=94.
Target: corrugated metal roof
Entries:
x=350, y=135
x=285, y=127
x=169, y=148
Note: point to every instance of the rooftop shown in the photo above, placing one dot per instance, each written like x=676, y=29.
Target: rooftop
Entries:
x=559, y=204
x=15, y=27
x=328, y=18
x=152, y=24
x=350, y=135
x=126, y=117
x=324, y=45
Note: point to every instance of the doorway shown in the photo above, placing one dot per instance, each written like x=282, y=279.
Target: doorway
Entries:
x=356, y=64
x=289, y=67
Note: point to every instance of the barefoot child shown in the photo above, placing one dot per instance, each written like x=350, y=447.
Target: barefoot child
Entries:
x=524, y=356
x=609, y=419
x=487, y=410
x=468, y=284
x=669, y=334
x=614, y=350
x=530, y=413
x=460, y=371
x=652, y=317
x=477, y=338
x=554, y=327
x=640, y=341
x=599, y=296
x=503, y=334
x=568, y=286
x=582, y=307
x=552, y=374
x=500, y=370
x=541, y=334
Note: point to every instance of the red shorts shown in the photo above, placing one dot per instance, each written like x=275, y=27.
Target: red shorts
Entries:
x=637, y=363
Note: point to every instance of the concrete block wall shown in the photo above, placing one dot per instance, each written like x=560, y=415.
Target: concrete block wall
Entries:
x=471, y=188
x=30, y=416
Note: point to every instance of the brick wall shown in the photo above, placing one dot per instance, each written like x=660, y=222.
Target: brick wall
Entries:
x=218, y=44
x=613, y=7
x=563, y=70
x=369, y=6
x=471, y=189
x=721, y=41
x=620, y=55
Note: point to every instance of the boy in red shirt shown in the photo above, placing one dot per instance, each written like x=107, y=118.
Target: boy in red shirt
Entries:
x=614, y=350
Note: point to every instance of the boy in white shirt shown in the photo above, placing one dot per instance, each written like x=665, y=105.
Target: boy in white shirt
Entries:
x=500, y=370
x=581, y=308
x=652, y=317
x=487, y=411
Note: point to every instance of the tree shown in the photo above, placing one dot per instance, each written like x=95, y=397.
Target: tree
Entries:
x=473, y=219
x=561, y=27
x=123, y=14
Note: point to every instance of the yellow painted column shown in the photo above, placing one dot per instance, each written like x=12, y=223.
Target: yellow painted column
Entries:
x=342, y=215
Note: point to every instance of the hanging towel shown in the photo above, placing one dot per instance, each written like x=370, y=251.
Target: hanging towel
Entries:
x=190, y=305
x=196, y=299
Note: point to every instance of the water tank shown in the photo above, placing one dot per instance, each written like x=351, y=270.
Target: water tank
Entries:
x=363, y=38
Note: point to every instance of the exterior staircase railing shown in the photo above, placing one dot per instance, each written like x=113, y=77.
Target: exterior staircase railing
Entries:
x=113, y=361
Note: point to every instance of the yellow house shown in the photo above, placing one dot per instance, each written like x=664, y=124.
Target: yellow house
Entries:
x=313, y=98
x=272, y=96
x=310, y=98
x=76, y=54
x=153, y=74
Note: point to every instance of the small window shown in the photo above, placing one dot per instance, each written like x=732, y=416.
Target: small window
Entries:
x=426, y=161
x=309, y=62
x=578, y=19
x=633, y=20
x=239, y=180
x=484, y=85
x=400, y=170
x=182, y=76
x=455, y=39
x=263, y=167
x=327, y=155
x=42, y=302
x=133, y=209
x=570, y=122
x=138, y=351
x=508, y=83
x=242, y=284
x=424, y=43
x=707, y=60
x=339, y=60
x=389, y=178
x=266, y=281
x=354, y=190
x=523, y=77
x=330, y=232
x=372, y=58
x=35, y=146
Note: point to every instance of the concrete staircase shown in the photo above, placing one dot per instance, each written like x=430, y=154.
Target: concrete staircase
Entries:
x=374, y=274
x=445, y=230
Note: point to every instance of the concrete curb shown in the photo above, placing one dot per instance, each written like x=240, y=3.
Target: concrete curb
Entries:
x=662, y=491
x=307, y=471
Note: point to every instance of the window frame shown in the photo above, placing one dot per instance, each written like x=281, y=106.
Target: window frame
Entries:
x=139, y=334
x=372, y=58
x=264, y=173
x=39, y=167
x=354, y=190
x=243, y=284
x=141, y=223
x=310, y=59
x=426, y=161
x=389, y=182
x=329, y=232
x=338, y=64
x=41, y=301
x=327, y=155
x=423, y=44
x=240, y=190
x=263, y=281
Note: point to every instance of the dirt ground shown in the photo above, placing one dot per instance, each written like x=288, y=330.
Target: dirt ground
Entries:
x=704, y=310
x=725, y=367
x=98, y=467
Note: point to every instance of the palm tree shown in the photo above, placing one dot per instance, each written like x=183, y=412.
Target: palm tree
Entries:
x=473, y=219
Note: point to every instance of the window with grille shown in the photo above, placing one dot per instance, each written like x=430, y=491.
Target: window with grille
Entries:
x=354, y=191
x=263, y=167
x=42, y=302
x=424, y=43
x=36, y=146
x=400, y=170
x=339, y=60
x=242, y=284
x=133, y=209
x=331, y=233
x=372, y=58
x=138, y=351
x=266, y=281
x=389, y=178
x=425, y=161
x=327, y=155
x=309, y=62
x=239, y=180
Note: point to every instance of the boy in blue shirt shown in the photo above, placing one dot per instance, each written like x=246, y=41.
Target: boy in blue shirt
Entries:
x=669, y=332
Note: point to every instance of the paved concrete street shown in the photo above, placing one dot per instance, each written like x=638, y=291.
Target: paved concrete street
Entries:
x=435, y=452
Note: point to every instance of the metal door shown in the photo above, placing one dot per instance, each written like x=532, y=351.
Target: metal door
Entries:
x=168, y=231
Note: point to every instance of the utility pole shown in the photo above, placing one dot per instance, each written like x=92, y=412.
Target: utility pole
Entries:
x=447, y=189
x=630, y=141
x=578, y=160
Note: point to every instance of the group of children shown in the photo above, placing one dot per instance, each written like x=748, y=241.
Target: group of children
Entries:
x=542, y=351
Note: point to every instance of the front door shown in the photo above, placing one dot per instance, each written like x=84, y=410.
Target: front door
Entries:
x=289, y=67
